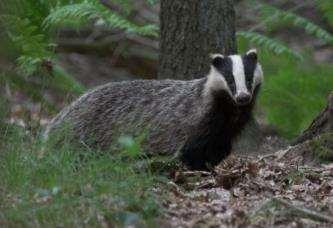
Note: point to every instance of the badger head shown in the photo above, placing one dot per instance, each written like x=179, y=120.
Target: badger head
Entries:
x=238, y=75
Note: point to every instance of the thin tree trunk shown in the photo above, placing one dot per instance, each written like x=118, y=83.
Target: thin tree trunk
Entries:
x=190, y=31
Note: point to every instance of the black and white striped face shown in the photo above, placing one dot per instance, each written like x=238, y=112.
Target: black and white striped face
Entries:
x=239, y=75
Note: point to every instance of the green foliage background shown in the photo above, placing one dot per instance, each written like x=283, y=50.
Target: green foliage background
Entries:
x=294, y=93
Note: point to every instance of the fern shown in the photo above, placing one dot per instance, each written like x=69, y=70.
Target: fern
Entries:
x=80, y=14
x=32, y=46
x=27, y=24
x=75, y=15
x=270, y=44
x=296, y=20
x=29, y=30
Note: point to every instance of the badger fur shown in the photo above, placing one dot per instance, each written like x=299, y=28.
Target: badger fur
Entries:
x=197, y=120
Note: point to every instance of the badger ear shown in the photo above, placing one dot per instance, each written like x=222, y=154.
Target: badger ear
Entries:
x=217, y=60
x=252, y=53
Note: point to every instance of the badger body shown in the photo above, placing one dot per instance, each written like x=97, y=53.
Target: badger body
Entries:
x=197, y=120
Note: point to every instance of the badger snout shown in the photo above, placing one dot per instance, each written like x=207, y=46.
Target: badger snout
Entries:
x=243, y=98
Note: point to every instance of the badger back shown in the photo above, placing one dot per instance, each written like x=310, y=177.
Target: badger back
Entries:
x=163, y=110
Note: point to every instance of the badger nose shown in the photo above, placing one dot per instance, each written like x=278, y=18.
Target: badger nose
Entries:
x=243, y=98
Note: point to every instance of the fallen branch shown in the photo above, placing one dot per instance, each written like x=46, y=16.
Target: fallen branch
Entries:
x=196, y=173
x=294, y=210
x=277, y=155
x=321, y=124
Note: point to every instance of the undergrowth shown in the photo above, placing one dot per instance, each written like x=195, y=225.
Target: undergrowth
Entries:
x=45, y=185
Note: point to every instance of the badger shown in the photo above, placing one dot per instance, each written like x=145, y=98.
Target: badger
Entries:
x=196, y=120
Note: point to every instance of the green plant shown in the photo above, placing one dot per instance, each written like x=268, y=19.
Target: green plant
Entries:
x=290, y=18
x=30, y=28
x=77, y=15
x=271, y=17
x=47, y=185
x=269, y=44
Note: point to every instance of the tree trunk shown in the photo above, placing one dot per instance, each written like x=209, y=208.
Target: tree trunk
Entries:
x=323, y=123
x=190, y=31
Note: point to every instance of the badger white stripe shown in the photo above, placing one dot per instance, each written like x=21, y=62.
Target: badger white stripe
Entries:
x=239, y=74
x=215, y=82
x=258, y=76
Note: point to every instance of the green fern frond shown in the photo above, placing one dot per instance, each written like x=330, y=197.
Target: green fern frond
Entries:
x=115, y=21
x=32, y=46
x=296, y=20
x=270, y=44
x=90, y=11
x=74, y=15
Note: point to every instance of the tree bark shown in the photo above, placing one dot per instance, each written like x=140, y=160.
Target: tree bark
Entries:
x=323, y=123
x=190, y=31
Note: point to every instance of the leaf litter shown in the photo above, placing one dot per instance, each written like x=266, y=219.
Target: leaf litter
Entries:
x=282, y=189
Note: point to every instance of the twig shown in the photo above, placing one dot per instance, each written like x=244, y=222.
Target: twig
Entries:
x=303, y=212
x=196, y=173
x=296, y=211
x=265, y=156
x=278, y=155
x=152, y=43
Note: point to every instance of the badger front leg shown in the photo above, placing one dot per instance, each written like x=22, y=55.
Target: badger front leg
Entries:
x=203, y=152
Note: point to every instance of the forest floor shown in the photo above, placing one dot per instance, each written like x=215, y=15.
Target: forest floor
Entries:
x=288, y=188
